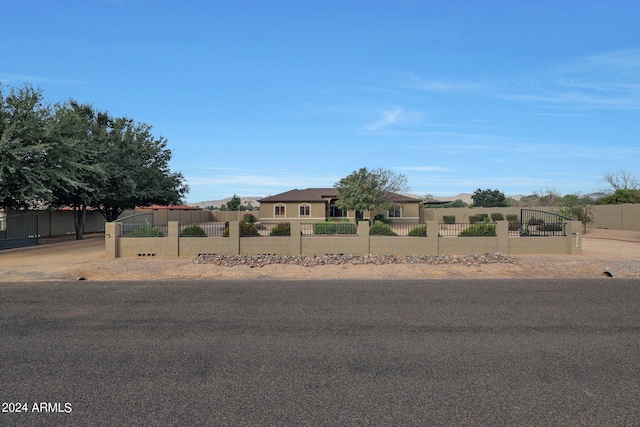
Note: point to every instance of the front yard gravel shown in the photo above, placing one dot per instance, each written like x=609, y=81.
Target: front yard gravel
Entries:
x=313, y=261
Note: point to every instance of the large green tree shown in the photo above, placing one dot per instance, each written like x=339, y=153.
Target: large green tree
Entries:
x=78, y=140
x=621, y=196
x=489, y=198
x=25, y=148
x=365, y=190
x=136, y=167
x=73, y=156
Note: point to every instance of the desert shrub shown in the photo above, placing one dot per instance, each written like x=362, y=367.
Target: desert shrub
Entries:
x=381, y=229
x=193, y=231
x=419, y=231
x=246, y=229
x=281, y=229
x=475, y=219
x=479, y=229
x=148, y=231
x=381, y=218
x=249, y=218
x=449, y=219
x=497, y=216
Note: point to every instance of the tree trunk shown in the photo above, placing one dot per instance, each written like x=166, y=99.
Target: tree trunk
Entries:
x=79, y=216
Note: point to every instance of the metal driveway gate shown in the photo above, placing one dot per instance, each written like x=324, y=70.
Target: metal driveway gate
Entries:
x=18, y=230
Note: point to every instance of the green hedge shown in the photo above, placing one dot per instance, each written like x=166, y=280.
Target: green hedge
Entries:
x=497, y=216
x=449, y=219
x=335, y=228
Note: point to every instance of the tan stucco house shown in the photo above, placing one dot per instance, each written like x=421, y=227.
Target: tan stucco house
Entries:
x=319, y=204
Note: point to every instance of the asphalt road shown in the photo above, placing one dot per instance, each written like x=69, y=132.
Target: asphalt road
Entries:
x=437, y=352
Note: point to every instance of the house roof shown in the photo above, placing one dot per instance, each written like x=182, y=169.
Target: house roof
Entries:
x=307, y=195
x=323, y=194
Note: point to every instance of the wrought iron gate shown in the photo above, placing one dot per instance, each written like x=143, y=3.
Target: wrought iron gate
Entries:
x=541, y=223
x=17, y=231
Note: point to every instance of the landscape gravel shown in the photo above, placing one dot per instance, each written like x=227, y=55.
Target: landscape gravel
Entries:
x=341, y=259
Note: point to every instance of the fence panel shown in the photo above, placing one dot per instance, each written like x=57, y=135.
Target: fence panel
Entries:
x=410, y=229
x=211, y=229
x=349, y=229
x=461, y=229
x=18, y=231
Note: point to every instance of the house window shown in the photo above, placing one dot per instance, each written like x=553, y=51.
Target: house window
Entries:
x=305, y=210
x=336, y=212
x=395, y=212
x=280, y=211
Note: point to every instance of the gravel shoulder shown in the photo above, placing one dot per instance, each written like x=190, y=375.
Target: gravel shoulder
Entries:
x=603, y=250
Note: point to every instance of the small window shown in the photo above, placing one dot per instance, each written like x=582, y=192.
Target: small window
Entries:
x=305, y=210
x=395, y=212
x=280, y=211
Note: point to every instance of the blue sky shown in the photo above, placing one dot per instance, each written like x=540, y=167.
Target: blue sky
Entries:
x=259, y=97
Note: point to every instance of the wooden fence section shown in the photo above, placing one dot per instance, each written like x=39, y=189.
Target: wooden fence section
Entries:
x=232, y=243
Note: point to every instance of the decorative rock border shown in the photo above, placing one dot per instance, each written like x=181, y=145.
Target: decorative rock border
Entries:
x=313, y=261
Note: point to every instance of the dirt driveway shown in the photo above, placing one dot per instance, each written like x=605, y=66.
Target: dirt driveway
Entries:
x=603, y=250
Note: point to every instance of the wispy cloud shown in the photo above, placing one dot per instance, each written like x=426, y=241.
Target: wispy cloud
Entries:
x=394, y=116
x=415, y=82
x=609, y=80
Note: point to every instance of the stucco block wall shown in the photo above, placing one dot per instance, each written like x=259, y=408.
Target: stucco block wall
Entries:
x=617, y=217
x=265, y=245
x=362, y=244
x=467, y=245
x=402, y=245
x=145, y=246
x=322, y=245
x=194, y=246
x=537, y=245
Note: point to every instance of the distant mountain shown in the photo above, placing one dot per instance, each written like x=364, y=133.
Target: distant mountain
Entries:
x=218, y=203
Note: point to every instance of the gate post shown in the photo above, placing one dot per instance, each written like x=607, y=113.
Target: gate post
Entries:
x=112, y=239
x=502, y=233
x=234, y=237
x=296, y=238
x=433, y=237
x=574, y=237
x=364, y=244
x=173, y=228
